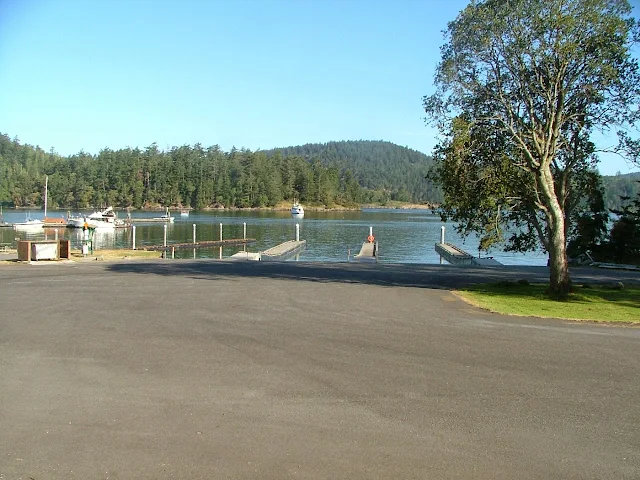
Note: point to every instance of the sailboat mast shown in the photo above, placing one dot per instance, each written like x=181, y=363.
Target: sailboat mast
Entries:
x=46, y=194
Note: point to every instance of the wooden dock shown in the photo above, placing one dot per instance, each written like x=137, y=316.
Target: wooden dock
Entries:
x=453, y=254
x=279, y=253
x=142, y=220
x=368, y=253
x=284, y=251
x=456, y=256
x=215, y=243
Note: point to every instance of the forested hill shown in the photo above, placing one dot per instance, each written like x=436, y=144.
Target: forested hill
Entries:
x=378, y=166
x=618, y=186
x=342, y=173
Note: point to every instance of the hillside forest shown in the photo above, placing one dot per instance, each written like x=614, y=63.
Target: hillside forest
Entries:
x=344, y=174
x=347, y=173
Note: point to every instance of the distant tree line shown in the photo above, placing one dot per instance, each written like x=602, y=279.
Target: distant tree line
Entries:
x=201, y=177
x=619, y=187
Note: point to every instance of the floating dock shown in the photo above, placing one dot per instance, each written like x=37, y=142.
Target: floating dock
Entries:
x=214, y=243
x=284, y=251
x=133, y=220
x=279, y=253
x=457, y=256
x=368, y=253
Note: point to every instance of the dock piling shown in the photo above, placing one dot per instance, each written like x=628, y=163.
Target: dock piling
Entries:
x=133, y=234
x=165, y=235
x=194, y=235
x=297, y=232
x=220, y=232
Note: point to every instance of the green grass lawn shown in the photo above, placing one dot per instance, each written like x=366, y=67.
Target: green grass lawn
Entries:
x=597, y=303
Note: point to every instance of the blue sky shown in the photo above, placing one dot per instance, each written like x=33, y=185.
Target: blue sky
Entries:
x=88, y=74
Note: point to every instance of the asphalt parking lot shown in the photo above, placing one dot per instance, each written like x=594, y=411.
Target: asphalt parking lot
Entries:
x=205, y=369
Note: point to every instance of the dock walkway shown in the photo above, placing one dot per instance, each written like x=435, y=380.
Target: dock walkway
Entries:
x=368, y=253
x=279, y=253
x=456, y=256
x=204, y=244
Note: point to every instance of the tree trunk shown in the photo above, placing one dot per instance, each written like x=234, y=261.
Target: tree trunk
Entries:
x=559, y=279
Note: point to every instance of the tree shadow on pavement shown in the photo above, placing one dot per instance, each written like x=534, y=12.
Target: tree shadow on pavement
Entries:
x=404, y=275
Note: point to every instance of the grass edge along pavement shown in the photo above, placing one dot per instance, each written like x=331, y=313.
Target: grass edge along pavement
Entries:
x=612, y=304
x=106, y=254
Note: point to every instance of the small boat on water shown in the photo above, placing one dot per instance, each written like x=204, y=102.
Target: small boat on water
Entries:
x=29, y=224
x=297, y=211
x=34, y=224
x=184, y=212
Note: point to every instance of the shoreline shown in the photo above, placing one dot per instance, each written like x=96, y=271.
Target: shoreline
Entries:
x=277, y=208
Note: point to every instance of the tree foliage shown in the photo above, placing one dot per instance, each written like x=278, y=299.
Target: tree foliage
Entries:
x=521, y=86
x=624, y=244
x=619, y=186
x=384, y=170
x=202, y=177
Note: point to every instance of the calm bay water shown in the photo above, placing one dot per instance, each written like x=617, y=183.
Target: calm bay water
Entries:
x=404, y=236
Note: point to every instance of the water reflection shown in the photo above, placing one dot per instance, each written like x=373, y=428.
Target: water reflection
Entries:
x=404, y=236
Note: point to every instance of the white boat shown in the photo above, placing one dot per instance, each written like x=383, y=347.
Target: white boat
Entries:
x=29, y=224
x=33, y=224
x=184, y=213
x=104, y=219
x=297, y=211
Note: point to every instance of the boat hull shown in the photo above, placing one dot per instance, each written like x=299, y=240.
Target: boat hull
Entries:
x=105, y=219
x=29, y=225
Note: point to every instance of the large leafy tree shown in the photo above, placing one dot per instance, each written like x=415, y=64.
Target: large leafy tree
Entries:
x=521, y=86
